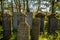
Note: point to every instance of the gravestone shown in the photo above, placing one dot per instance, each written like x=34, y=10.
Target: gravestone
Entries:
x=58, y=24
x=29, y=18
x=6, y=26
x=58, y=0
x=53, y=24
x=41, y=16
x=23, y=31
x=0, y=19
x=15, y=20
x=35, y=29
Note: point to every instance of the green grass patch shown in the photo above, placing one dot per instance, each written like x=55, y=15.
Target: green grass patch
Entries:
x=1, y=30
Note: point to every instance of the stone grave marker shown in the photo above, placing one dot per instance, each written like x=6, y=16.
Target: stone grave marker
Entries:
x=35, y=29
x=15, y=20
x=53, y=24
x=29, y=18
x=59, y=24
x=23, y=31
x=6, y=26
x=41, y=16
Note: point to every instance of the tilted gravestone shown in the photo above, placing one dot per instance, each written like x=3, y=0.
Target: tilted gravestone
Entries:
x=6, y=26
x=35, y=32
x=41, y=16
x=29, y=18
x=53, y=24
x=23, y=31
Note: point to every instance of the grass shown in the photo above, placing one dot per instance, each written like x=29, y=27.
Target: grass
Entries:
x=50, y=37
x=1, y=30
x=14, y=36
x=41, y=37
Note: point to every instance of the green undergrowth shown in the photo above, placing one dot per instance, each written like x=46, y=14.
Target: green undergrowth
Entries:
x=1, y=32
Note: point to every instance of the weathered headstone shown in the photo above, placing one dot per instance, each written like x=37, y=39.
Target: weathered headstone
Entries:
x=0, y=19
x=15, y=20
x=23, y=31
x=29, y=18
x=41, y=16
x=58, y=24
x=35, y=29
x=53, y=24
x=6, y=26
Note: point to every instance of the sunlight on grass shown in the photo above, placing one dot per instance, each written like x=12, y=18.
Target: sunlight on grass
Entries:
x=50, y=37
x=13, y=37
x=42, y=38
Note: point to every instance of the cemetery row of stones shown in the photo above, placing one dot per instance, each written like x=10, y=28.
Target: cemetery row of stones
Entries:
x=23, y=24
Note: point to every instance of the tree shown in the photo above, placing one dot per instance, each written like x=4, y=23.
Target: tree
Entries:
x=2, y=7
x=27, y=7
x=38, y=6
